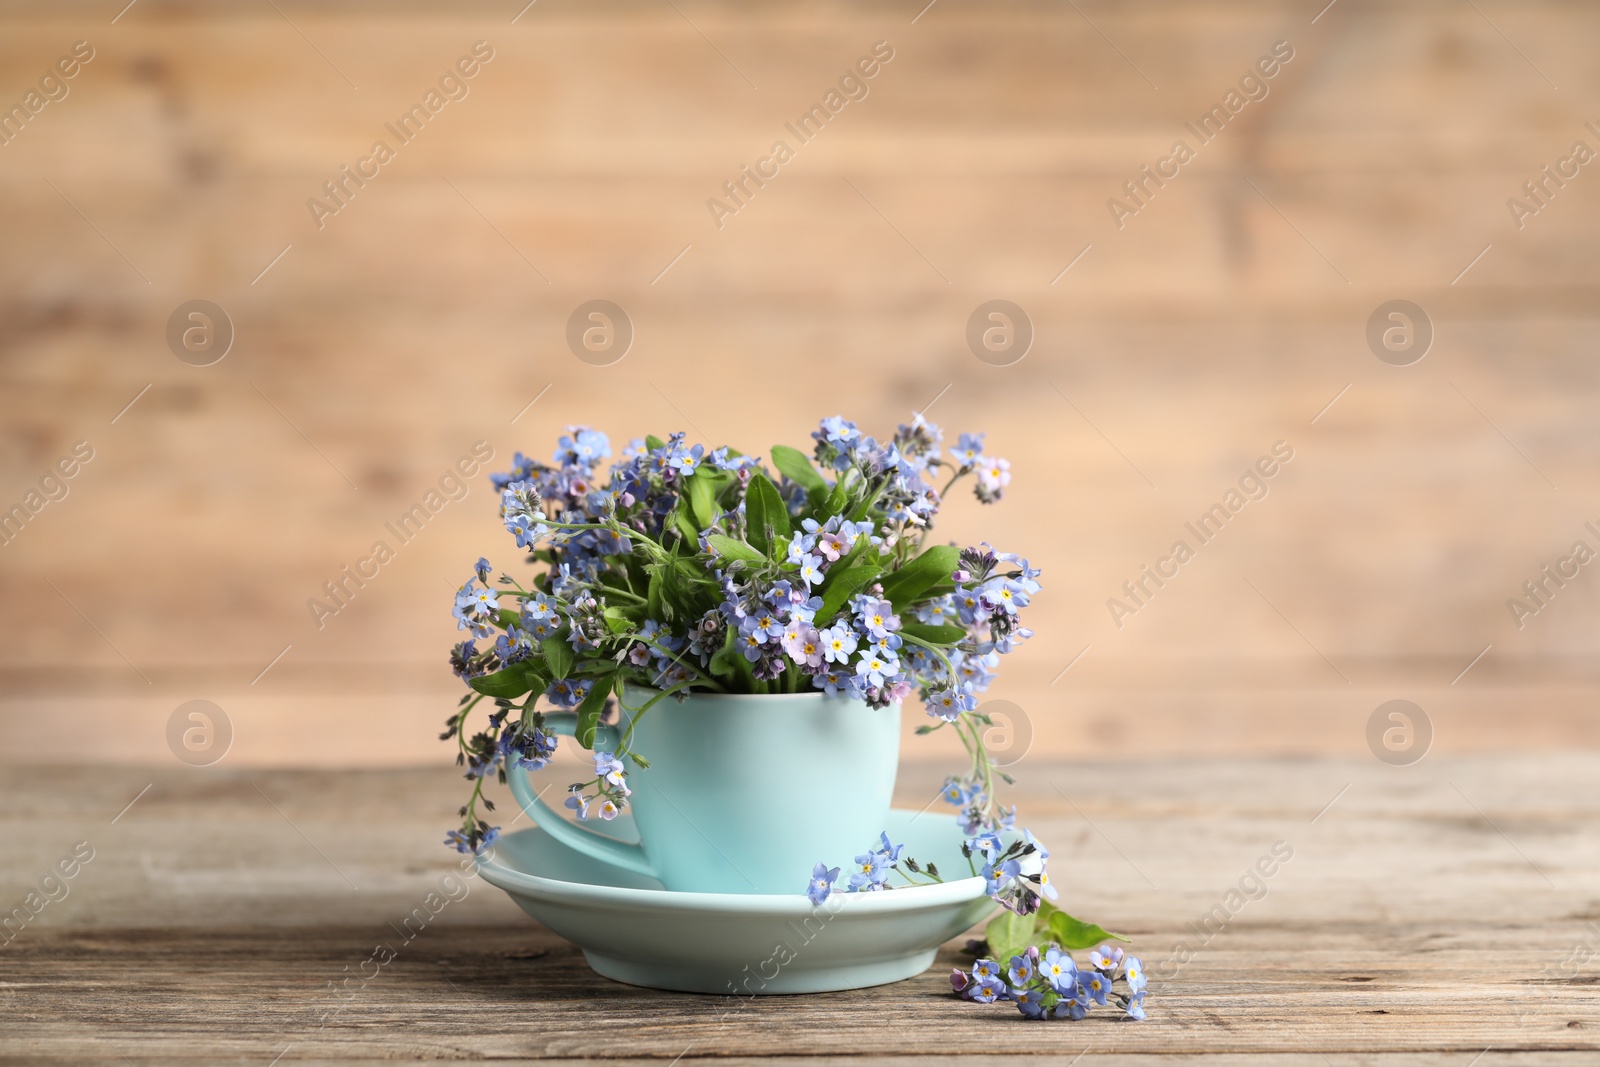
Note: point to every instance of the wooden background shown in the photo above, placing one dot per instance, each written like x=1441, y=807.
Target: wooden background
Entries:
x=429, y=312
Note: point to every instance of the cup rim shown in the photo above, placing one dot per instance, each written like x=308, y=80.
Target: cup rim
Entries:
x=817, y=695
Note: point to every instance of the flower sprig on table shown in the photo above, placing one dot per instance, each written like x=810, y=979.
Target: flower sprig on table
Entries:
x=686, y=570
x=1047, y=983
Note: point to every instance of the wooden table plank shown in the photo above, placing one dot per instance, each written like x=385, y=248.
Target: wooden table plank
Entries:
x=1428, y=914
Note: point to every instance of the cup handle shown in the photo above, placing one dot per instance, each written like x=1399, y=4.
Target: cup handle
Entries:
x=576, y=836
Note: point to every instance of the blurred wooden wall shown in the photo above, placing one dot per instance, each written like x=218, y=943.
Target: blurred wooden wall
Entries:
x=427, y=313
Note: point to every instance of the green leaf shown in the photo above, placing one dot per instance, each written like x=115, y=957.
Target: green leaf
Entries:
x=616, y=621
x=557, y=656
x=722, y=660
x=834, y=503
x=796, y=466
x=766, y=517
x=509, y=683
x=536, y=678
x=840, y=587
x=1072, y=933
x=652, y=604
x=934, y=635
x=1009, y=934
x=685, y=524
x=702, y=496
x=589, y=711
x=652, y=442
x=509, y=618
x=732, y=548
x=927, y=570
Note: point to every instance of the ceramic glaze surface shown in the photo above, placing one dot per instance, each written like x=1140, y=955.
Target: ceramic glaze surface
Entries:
x=744, y=794
x=632, y=930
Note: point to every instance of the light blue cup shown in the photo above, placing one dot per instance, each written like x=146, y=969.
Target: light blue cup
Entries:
x=744, y=794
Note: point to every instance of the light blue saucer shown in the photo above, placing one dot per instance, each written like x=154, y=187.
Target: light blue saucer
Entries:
x=632, y=930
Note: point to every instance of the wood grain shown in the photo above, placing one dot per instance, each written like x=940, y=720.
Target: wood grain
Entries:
x=1427, y=914
x=429, y=312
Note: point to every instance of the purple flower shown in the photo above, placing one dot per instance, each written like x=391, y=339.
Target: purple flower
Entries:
x=1105, y=957
x=803, y=643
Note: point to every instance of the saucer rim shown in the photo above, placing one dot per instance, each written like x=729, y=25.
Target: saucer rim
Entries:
x=903, y=898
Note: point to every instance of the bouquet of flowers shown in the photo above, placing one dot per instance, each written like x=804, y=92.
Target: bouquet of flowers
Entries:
x=683, y=569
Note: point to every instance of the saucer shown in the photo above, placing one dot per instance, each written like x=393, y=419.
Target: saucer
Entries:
x=634, y=931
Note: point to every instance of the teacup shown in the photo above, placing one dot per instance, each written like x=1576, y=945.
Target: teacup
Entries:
x=743, y=793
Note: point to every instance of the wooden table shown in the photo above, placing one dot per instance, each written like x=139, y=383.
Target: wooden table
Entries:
x=1444, y=913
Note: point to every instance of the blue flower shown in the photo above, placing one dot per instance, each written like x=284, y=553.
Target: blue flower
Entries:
x=987, y=844
x=870, y=873
x=512, y=646
x=888, y=645
x=686, y=461
x=875, y=669
x=877, y=616
x=462, y=843
x=583, y=448
x=608, y=768
x=577, y=803
x=1095, y=985
x=1072, y=1008
x=1021, y=971
x=483, y=568
x=954, y=792
x=1028, y=1001
x=969, y=450
x=751, y=640
x=838, y=643
x=891, y=853
x=568, y=692
x=1059, y=970
x=988, y=990
x=947, y=704
x=822, y=879
x=811, y=570
x=536, y=756
x=836, y=683
x=837, y=430
x=1133, y=973
x=539, y=607
x=985, y=968
x=1135, y=1006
